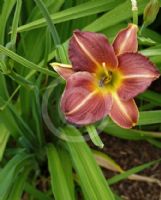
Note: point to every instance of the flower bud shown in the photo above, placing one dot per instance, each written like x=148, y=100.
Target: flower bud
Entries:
x=151, y=11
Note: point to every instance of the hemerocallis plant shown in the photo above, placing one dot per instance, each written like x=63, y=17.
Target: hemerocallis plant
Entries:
x=103, y=79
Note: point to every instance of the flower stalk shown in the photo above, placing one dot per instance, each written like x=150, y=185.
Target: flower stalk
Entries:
x=135, y=11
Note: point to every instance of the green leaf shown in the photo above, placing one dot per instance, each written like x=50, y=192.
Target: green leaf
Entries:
x=58, y=180
x=149, y=33
x=17, y=124
x=6, y=11
x=51, y=25
x=38, y=195
x=115, y=16
x=130, y=134
x=145, y=118
x=4, y=135
x=151, y=96
x=129, y=172
x=154, y=142
x=18, y=185
x=152, y=51
x=10, y=172
x=68, y=170
x=150, y=117
x=82, y=10
x=105, y=161
x=92, y=181
x=15, y=22
x=94, y=136
x=25, y=62
x=146, y=41
x=60, y=51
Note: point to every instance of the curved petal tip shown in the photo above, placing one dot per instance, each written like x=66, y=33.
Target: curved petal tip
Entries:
x=124, y=113
x=64, y=70
x=126, y=40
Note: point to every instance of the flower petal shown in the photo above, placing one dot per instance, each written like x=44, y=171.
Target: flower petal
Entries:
x=124, y=113
x=81, y=102
x=138, y=73
x=126, y=40
x=64, y=70
x=87, y=51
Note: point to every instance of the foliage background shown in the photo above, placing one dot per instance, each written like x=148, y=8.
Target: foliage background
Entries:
x=32, y=34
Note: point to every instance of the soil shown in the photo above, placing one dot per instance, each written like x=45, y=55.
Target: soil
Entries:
x=129, y=154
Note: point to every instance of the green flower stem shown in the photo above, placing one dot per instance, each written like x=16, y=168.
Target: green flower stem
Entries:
x=135, y=17
x=134, y=11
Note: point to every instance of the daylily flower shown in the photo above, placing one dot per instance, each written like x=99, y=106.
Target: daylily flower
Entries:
x=103, y=79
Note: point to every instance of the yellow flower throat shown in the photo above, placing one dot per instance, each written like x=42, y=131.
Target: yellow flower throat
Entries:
x=108, y=80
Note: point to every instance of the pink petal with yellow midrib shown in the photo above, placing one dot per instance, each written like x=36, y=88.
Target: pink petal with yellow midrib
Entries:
x=126, y=40
x=64, y=70
x=83, y=104
x=87, y=52
x=124, y=113
x=137, y=73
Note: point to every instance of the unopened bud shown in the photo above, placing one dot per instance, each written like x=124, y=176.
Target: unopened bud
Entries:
x=151, y=11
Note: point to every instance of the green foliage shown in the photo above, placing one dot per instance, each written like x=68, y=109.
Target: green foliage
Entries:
x=4, y=136
x=91, y=179
x=151, y=11
x=36, y=144
x=58, y=180
x=134, y=170
x=15, y=171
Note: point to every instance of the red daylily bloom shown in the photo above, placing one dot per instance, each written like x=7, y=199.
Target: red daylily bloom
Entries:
x=103, y=78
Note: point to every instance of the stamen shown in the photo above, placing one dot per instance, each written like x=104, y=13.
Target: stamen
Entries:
x=105, y=69
x=107, y=76
x=105, y=80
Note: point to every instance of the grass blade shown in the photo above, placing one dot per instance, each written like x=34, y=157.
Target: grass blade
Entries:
x=51, y=26
x=131, y=134
x=4, y=136
x=115, y=16
x=151, y=96
x=68, y=170
x=25, y=62
x=134, y=170
x=6, y=11
x=60, y=51
x=94, y=136
x=150, y=117
x=19, y=184
x=91, y=178
x=15, y=22
x=82, y=10
x=146, y=118
x=58, y=181
x=35, y=192
x=10, y=172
